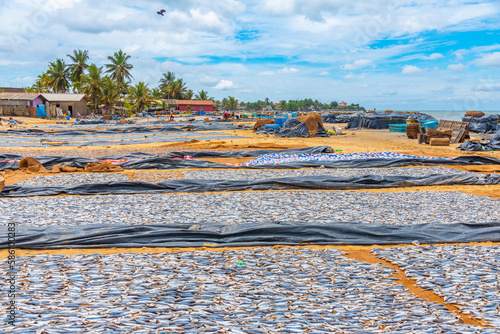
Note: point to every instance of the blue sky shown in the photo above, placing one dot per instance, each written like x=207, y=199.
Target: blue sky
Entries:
x=400, y=55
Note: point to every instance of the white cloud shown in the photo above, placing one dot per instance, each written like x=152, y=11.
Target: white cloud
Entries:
x=489, y=60
x=224, y=85
x=284, y=70
x=208, y=80
x=412, y=70
x=458, y=67
x=460, y=54
x=350, y=75
x=357, y=64
x=433, y=56
x=391, y=92
x=487, y=88
x=200, y=41
x=287, y=70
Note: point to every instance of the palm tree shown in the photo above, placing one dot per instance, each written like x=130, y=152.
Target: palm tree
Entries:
x=41, y=84
x=156, y=93
x=139, y=95
x=202, y=95
x=177, y=89
x=93, y=84
x=77, y=69
x=58, y=76
x=110, y=93
x=188, y=95
x=119, y=68
x=166, y=81
x=231, y=103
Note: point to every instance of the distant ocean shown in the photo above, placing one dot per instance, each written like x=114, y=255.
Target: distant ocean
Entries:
x=451, y=115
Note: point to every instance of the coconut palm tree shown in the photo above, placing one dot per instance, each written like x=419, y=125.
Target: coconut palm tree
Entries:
x=41, y=84
x=119, y=68
x=202, y=95
x=156, y=93
x=92, y=83
x=110, y=93
x=77, y=68
x=232, y=103
x=166, y=81
x=177, y=89
x=139, y=95
x=58, y=76
x=188, y=95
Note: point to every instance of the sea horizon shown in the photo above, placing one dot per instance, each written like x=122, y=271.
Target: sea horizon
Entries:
x=451, y=115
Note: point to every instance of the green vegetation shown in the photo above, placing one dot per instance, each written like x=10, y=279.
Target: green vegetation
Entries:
x=297, y=105
x=110, y=85
x=58, y=76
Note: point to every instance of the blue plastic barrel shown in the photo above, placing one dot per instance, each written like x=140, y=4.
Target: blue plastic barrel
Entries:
x=280, y=121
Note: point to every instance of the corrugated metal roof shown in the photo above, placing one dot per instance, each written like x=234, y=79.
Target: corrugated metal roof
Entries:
x=169, y=101
x=197, y=102
x=64, y=97
x=13, y=90
x=19, y=96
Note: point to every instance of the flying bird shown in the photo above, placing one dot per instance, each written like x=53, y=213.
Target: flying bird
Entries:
x=161, y=12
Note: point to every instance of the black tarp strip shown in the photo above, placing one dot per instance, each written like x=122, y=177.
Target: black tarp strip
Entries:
x=249, y=234
x=324, y=182
x=140, y=160
x=252, y=153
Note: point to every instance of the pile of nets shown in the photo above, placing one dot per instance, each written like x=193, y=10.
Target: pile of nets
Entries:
x=274, y=159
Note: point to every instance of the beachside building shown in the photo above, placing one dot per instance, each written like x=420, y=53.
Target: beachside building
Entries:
x=12, y=90
x=169, y=103
x=61, y=103
x=196, y=105
x=20, y=104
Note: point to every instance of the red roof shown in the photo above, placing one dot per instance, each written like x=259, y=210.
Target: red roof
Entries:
x=196, y=102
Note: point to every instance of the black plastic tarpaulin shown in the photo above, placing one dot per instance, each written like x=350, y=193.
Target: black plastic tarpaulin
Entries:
x=174, y=127
x=354, y=121
x=147, y=161
x=492, y=145
x=249, y=234
x=252, y=153
x=324, y=182
x=381, y=121
x=486, y=124
x=420, y=117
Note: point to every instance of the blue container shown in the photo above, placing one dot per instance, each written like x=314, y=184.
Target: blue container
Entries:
x=430, y=125
x=280, y=121
x=294, y=114
x=68, y=118
x=272, y=126
x=397, y=127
